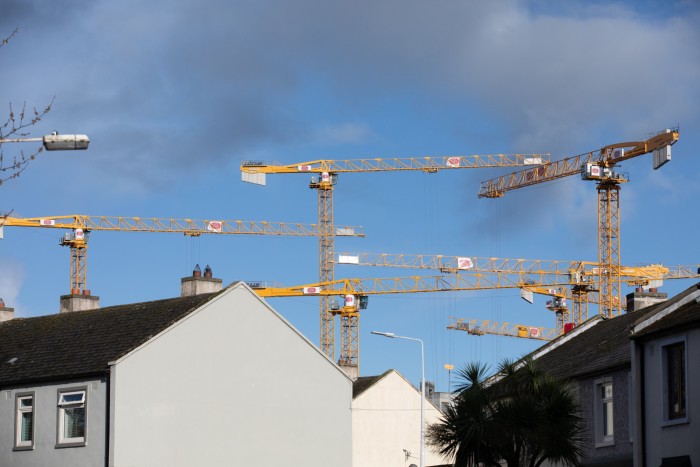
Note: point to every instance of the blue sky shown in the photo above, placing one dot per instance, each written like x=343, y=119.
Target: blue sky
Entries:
x=174, y=95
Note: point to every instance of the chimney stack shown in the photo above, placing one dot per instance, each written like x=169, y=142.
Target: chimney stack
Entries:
x=641, y=299
x=76, y=301
x=196, y=284
x=6, y=313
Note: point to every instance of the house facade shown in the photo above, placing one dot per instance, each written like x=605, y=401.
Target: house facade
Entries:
x=665, y=352
x=635, y=380
x=386, y=422
x=213, y=379
x=595, y=359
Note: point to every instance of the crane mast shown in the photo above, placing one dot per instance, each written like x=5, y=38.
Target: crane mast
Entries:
x=80, y=227
x=326, y=177
x=597, y=166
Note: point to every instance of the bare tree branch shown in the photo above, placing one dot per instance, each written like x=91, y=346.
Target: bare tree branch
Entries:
x=18, y=126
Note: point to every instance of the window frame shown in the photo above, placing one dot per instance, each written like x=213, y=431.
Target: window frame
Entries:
x=61, y=440
x=603, y=412
x=20, y=445
x=665, y=346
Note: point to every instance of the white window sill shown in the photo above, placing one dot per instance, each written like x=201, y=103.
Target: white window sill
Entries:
x=71, y=444
x=603, y=444
x=24, y=448
x=675, y=421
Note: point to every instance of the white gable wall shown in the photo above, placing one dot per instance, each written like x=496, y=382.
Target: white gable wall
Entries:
x=232, y=384
x=386, y=420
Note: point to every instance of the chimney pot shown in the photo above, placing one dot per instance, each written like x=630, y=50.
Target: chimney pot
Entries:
x=196, y=284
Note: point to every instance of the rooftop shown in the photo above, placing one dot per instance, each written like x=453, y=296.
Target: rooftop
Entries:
x=82, y=343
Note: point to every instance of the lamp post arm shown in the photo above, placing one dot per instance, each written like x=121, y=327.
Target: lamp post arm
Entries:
x=422, y=388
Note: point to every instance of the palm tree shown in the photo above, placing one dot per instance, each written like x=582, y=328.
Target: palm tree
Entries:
x=519, y=415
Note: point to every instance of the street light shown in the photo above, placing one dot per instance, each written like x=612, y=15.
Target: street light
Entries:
x=422, y=389
x=55, y=142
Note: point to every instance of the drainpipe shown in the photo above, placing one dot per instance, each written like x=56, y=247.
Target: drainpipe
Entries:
x=108, y=395
x=639, y=441
x=642, y=392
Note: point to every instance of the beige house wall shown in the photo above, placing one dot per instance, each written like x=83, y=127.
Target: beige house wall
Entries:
x=386, y=420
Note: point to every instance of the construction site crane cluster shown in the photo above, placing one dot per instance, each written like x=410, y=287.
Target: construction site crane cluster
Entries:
x=597, y=165
x=325, y=179
x=561, y=281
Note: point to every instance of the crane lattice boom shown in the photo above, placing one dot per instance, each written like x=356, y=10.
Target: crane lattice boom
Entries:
x=411, y=284
x=426, y=164
x=448, y=264
x=481, y=327
x=607, y=156
x=81, y=225
x=189, y=227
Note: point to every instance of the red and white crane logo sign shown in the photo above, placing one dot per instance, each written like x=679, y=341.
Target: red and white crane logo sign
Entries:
x=215, y=226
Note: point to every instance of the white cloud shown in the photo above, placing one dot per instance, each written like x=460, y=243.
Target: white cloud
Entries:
x=11, y=280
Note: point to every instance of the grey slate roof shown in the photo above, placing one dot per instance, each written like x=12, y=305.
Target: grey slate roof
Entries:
x=607, y=344
x=81, y=343
x=363, y=383
x=602, y=347
x=684, y=316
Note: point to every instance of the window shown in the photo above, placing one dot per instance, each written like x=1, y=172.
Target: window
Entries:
x=72, y=418
x=24, y=421
x=674, y=382
x=604, y=415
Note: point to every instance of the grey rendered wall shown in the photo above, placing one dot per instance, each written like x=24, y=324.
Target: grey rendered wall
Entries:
x=233, y=384
x=45, y=452
x=671, y=440
x=622, y=447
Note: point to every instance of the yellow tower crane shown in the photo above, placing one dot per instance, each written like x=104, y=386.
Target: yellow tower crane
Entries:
x=481, y=327
x=326, y=175
x=597, y=166
x=80, y=227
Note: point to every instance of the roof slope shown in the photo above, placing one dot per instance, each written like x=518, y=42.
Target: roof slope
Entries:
x=82, y=343
x=363, y=383
x=605, y=345
x=683, y=311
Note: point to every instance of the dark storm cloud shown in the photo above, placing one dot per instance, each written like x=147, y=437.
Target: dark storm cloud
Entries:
x=176, y=85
